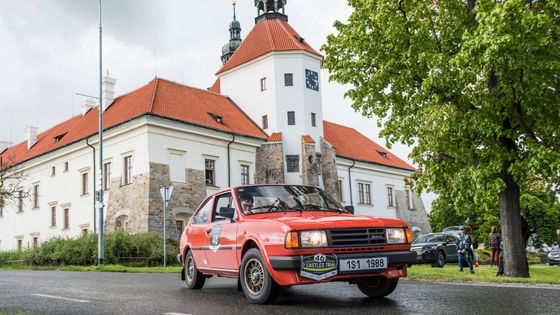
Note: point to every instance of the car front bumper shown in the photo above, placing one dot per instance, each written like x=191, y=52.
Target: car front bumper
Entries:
x=393, y=258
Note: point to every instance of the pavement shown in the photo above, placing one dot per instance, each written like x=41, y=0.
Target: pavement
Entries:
x=58, y=292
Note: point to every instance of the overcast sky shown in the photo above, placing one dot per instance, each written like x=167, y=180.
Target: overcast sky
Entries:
x=49, y=52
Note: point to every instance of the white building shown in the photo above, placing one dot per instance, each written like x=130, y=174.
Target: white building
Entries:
x=261, y=122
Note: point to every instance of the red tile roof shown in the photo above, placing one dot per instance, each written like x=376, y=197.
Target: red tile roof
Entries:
x=277, y=136
x=307, y=139
x=351, y=144
x=216, y=87
x=160, y=98
x=267, y=36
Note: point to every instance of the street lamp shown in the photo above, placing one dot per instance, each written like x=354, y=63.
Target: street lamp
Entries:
x=99, y=192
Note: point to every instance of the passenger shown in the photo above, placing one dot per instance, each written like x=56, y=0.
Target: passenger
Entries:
x=247, y=201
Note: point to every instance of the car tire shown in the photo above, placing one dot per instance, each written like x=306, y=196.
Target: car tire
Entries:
x=194, y=278
x=439, y=261
x=256, y=282
x=377, y=287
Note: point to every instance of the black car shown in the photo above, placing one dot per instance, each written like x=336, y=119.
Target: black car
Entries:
x=435, y=248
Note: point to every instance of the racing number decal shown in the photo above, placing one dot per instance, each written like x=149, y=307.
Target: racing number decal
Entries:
x=215, y=235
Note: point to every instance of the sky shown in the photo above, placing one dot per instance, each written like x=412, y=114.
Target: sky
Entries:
x=49, y=52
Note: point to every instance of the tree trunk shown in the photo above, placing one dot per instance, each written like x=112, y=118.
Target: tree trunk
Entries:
x=515, y=261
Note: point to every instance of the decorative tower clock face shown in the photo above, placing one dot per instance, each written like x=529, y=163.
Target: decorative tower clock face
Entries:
x=312, y=80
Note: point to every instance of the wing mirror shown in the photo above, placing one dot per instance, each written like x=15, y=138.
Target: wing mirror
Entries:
x=228, y=213
x=349, y=209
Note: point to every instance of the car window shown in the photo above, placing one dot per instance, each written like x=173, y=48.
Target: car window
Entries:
x=450, y=237
x=201, y=217
x=421, y=239
x=223, y=203
x=436, y=239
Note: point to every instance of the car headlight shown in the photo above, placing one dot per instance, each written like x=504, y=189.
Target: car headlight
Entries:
x=313, y=239
x=395, y=236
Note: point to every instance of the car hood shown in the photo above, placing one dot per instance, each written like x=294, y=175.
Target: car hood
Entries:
x=321, y=220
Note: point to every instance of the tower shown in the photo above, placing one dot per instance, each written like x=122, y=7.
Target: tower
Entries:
x=275, y=78
x=234, y=38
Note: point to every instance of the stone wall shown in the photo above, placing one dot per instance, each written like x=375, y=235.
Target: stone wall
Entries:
x=416, y=218
x=310, y=165
x=130, y=201
x=270, y=164
x=329, y=171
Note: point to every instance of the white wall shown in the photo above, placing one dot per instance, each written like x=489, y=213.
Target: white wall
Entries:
x=379, y=177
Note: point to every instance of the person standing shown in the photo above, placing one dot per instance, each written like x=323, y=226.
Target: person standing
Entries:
x=463, y=244
x=494, y=239
x=558, y=237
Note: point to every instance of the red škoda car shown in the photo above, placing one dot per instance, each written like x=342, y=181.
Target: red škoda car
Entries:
x=269, y=236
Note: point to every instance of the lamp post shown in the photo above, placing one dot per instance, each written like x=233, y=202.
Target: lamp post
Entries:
x=99, y=192
x=166, y=192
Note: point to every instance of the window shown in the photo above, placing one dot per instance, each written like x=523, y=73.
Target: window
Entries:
x=263, y=84
x=390, y=198
x=1, y=208
x=223, y=203
x=288, y=79
x=53, y=171
x=121, y=223
x=35, y=196
x=66, y=218
x=53, y=216
x=127, y=176
x=265, y=122
x=66, y=166
x=107, y=176
x=20, y=201
x=364, y=193
x=383, y=154
x=313, y=120
x=180, y=228
x=292, y=162
x=245, y=175
x=408, y=197
x=210, y=167
x=35, y=241
x=340, y=195
x=85, y=186
x=19, y=245
x=201, y=216
x=85, y=231
x=291, y=118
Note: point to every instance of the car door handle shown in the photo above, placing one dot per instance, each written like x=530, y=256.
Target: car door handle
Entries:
x=208, y=230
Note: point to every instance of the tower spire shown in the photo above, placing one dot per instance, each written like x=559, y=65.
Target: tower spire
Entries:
x=234, y=37
x=271, y=9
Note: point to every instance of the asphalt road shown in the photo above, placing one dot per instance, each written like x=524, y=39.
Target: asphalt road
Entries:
x=55, y=292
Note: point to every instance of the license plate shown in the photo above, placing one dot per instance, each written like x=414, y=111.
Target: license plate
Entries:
x=319, y=267
x=361, y=264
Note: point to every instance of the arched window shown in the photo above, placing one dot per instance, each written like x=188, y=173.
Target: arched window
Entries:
x=121, y=223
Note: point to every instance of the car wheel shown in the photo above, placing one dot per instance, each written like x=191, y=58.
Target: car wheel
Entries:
x=194, y=278
x=256, y=282
x=376, y=287
x=440, y=260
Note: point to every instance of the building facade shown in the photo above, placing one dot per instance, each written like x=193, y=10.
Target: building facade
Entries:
x=261, y=122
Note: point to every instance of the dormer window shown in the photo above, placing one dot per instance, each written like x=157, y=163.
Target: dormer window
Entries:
x=59, y=137
x=383, y=154
x=218, y=119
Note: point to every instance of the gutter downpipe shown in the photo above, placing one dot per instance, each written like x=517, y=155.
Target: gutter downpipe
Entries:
x=350, y=181
x=228, y=160
x=94, y=208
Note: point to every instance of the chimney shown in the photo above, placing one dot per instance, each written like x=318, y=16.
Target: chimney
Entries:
x=31, y=132
x=4, y=145
x=87, y=105
x=108, y=90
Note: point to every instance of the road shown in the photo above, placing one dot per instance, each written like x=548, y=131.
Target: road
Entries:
x=56, y=292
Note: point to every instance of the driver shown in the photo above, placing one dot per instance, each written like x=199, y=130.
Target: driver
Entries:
x=246, y=200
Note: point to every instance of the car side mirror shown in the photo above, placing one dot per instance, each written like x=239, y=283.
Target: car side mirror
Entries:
x=226, y=212
x=349, y=209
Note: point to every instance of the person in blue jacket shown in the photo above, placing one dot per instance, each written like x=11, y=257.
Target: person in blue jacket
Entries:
x=463, y=244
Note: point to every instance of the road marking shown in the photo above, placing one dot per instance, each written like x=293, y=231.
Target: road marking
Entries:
x=175, y=314
x=61, y=298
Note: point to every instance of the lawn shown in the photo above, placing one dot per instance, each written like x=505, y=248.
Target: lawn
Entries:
x=540, y=274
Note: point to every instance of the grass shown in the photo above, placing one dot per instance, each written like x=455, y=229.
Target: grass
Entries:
x=540, y=274
x=105, y=268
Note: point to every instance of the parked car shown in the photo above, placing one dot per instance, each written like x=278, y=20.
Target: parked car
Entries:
x=436, y=249
x=270, y=236
x=554, y=256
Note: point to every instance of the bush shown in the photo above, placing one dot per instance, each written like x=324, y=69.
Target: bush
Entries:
x=484, y=257
x=145, y=249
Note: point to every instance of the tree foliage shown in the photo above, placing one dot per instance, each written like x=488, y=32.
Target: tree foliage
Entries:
x=472, y=84
x=12, y=182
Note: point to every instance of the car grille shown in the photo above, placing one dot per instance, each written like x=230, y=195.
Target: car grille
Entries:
x=357, y=237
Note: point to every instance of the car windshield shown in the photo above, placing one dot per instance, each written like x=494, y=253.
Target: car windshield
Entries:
x=263, y=199
x=429, y=238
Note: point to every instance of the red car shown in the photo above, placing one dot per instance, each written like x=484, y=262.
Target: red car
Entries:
x=270, y=236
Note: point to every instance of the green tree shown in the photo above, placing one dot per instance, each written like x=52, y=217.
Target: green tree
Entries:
x=472, y=84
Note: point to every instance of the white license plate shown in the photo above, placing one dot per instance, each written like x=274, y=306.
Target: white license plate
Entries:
x=359, y=264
